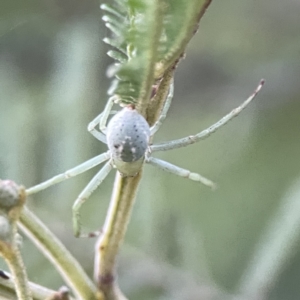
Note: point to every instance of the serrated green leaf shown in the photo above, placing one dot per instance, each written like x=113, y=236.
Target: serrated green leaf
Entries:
x=138, y=34
x=150, y=37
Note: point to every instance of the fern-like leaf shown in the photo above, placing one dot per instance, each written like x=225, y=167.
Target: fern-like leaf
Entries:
x=136, y=30
x=149, y=38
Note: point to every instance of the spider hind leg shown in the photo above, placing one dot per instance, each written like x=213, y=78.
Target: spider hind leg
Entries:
x=85, y=194
x=168, y=167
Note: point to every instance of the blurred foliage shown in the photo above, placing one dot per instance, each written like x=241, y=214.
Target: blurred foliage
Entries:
x=184, y=240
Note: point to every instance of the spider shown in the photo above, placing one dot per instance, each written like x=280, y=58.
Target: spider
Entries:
x=128, y=136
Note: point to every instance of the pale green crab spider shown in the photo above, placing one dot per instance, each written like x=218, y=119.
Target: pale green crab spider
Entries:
x=127, y=136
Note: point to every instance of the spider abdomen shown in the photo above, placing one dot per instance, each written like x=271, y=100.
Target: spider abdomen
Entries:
x=128, y=136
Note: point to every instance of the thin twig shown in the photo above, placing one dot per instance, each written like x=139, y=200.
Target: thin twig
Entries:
x=19, y=275
x=61, y=294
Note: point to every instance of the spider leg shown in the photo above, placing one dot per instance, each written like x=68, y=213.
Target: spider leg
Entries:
x=105, y=114
x=70, y=173
x=164, y=111
x=166, y=166
x=85, y=194
x=101, y=121
x=96, y=133
x=207, y=132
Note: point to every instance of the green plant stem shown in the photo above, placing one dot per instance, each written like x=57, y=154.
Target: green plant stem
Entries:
x=157, y=102
x=114, y=229
x=61, y=258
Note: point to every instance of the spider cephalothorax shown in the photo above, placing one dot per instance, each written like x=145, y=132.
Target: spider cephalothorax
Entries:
x=127, y=136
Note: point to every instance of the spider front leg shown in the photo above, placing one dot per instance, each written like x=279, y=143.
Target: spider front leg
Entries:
x=207, y=132
x=101, y=121
x=96, y=133
x=91, y=163
x=85, y=194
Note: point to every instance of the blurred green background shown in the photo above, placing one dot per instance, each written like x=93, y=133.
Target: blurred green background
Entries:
x=184, y=241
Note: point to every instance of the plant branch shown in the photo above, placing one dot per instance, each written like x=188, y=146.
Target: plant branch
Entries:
x=12, y=199
x=61, y=258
